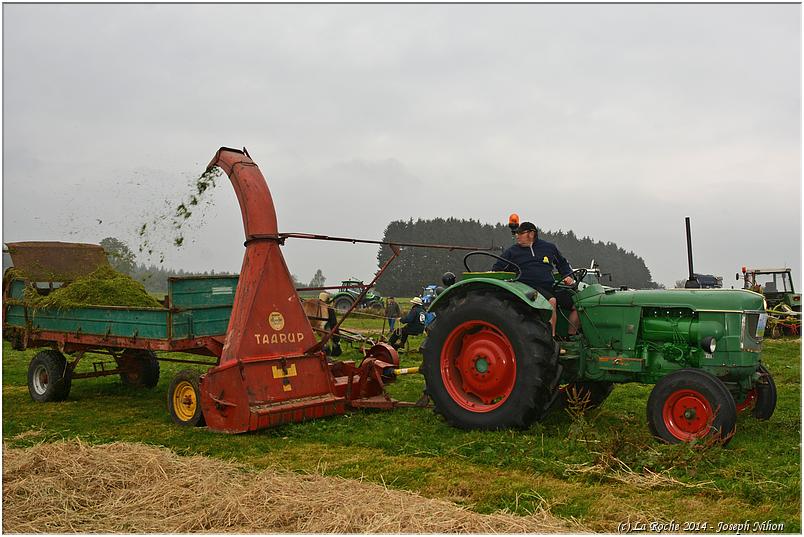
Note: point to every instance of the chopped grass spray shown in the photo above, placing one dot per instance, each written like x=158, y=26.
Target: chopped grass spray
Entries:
x=152, y=233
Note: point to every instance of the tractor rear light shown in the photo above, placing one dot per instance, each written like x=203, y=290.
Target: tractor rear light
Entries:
x=796, y=298
x=709, y=344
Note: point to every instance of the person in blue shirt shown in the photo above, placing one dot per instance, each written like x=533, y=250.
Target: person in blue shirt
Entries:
x=536, y=258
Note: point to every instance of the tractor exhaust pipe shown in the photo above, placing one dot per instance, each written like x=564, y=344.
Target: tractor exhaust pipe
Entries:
x=692, y=282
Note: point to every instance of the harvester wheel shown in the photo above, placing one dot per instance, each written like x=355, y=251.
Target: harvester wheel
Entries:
x=49, y=377
x=762, y=397
x=691, y=404
x=343, y=304
x=489, y=364
x=184, y=399
x=588, y=394
x=141, y=368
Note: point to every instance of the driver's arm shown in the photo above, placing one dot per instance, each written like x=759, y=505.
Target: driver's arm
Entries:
x=500, y=265
x=564, y=268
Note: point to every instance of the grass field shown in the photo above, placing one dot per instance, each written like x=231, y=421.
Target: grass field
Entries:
x=602, y=468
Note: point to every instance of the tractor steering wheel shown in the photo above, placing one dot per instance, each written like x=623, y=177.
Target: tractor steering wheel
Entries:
x=489, y=254
x=577, y=275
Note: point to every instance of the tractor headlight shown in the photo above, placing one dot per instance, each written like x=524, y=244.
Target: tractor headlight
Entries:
x=709, y=344
x=448, y=279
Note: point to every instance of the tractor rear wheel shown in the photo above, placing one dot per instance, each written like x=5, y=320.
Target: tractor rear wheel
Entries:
x=691, y=404
x=343, y=304
x=184, y=399
x=490, y=363
x=49, y=377
x=140, y=368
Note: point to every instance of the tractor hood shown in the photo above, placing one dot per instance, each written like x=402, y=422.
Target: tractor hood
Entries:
x=694, y=299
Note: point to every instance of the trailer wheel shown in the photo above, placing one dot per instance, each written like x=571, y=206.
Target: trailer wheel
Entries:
x=141, y=368
x=762, y=397
x=691, y=404
x=49, y=377
x=184, y=399
x=489, y=364
x=589, y=394
x=343, y=304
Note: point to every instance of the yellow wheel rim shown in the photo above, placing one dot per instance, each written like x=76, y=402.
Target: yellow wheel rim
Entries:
x=184, y=401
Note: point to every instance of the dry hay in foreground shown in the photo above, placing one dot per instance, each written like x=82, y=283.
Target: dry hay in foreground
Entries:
x=70, y=487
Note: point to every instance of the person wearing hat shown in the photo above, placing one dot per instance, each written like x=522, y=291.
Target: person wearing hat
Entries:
x=536, y=258
x=413, y=321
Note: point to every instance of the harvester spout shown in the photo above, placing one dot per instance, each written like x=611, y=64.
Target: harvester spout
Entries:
x=256, y=204
x=267, y=317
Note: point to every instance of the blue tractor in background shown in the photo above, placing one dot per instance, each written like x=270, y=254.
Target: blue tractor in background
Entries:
x=429, y=293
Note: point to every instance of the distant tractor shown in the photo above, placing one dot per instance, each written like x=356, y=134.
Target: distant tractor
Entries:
x=491, y=362
x=349, y=292
x=429, y=293
x=783, y=303
x=775, y=283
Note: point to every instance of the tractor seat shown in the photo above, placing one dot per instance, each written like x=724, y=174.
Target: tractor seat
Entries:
x=770, y=287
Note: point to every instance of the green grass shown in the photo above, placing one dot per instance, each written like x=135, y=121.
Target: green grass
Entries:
x=566, y=466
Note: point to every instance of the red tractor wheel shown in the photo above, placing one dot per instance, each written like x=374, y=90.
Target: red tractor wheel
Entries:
x=478, y=366
x=489, y=363
x=691, y=404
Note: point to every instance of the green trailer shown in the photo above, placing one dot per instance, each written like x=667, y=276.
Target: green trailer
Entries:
x=194, y=319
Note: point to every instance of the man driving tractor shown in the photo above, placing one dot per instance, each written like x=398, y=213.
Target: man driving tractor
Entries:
x=536, y=258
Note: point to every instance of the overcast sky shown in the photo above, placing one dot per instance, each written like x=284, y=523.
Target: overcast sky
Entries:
x=615, y=121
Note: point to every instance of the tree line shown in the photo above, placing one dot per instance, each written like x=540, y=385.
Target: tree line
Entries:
x=417, y=267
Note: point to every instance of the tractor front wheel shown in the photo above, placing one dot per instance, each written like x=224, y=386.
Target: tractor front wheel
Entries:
x=691, y=404
x=489, y=364
x=184, y=399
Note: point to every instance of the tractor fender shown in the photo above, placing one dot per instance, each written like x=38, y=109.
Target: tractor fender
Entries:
x=519, y=291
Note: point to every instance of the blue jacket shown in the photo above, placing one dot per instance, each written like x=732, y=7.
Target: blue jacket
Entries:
x=536, y=263
x=414, y=320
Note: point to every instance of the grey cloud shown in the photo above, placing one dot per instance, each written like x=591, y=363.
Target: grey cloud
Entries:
x=615, y=121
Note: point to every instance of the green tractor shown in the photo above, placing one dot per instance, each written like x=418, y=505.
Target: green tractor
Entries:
x=775, y=283
x=491, y=362
x=350, y=291
x=783, y=303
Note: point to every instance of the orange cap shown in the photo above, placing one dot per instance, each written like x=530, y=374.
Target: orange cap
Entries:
x=513, y=219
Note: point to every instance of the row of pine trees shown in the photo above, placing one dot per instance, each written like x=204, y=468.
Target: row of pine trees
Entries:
x=417, y=267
